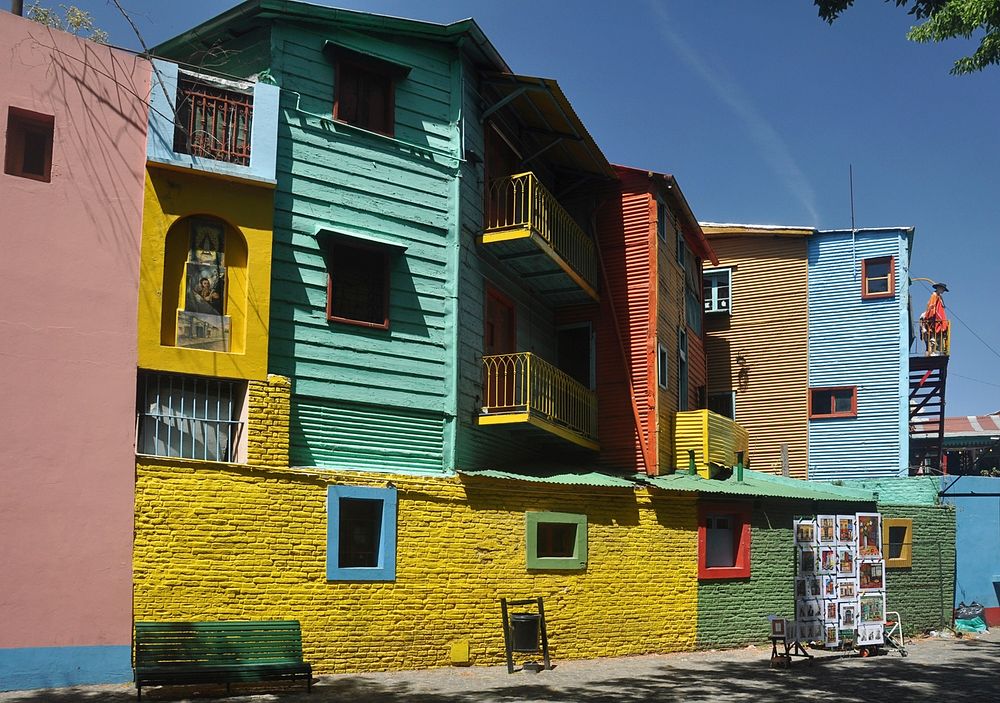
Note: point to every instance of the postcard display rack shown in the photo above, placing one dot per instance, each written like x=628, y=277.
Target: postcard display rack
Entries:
x=840, y=580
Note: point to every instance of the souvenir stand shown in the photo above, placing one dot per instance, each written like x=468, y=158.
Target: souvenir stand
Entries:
x=840, y=581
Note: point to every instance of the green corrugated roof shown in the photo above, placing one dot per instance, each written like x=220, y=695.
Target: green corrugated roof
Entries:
x=566, y=478
x=761, y=485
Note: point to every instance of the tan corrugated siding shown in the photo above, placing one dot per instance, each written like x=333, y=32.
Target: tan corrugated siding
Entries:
x=768, y=325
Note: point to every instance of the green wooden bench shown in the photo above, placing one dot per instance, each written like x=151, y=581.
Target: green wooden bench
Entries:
x=178, y=653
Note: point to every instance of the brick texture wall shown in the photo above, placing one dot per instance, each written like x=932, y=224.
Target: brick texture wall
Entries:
x=216, y=541
x=732, y=613
x=269, y=408
x=923, y=593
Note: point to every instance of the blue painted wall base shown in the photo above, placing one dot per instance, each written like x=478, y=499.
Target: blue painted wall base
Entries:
x=58, y=667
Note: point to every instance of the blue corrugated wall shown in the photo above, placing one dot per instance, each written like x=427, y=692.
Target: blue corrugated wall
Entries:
x=863, y=343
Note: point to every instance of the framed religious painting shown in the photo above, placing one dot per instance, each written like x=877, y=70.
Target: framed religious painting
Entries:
x=831, y=636
x=871, y=575
x=870, y=535
x=826, y=527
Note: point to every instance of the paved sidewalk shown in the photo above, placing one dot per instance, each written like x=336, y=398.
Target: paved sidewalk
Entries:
x=936, y=670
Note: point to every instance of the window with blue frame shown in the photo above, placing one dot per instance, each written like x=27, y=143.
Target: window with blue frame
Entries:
x=361, y=533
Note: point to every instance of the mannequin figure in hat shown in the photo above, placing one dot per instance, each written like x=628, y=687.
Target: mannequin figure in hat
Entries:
x=934, y=320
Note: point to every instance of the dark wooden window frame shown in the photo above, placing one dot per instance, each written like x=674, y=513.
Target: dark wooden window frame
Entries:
x=376, y=249
x=21, y=123
x=818, y=413
x=891, y=292
x=346, y=60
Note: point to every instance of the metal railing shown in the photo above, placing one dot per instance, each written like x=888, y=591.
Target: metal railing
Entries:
x=522, y=202
x=936, y=343
x=524, y=383
x=213, y=122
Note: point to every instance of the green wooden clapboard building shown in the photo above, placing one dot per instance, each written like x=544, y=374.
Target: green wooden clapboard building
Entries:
x=431, y=231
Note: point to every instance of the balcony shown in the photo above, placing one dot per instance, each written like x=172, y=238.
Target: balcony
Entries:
x=937, y=342
x=523, y=389
x=714, y=438
x=214, y=125
x=527, y=228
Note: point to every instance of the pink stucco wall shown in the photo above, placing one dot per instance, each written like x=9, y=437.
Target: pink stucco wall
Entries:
x=68, y=296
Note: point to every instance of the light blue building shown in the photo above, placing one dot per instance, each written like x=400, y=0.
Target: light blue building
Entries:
x=858, y=350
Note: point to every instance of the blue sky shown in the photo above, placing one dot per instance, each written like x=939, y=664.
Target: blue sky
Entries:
x=758, y=109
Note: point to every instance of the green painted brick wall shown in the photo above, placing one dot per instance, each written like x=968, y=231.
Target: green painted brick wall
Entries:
x=733, y=612
x=923, y=594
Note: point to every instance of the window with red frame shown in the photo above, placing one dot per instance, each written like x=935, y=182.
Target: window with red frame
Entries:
x=29, y=144
x=724, y=541
x=365, y=95
x=833, y=402
x=878, y=278
x=358, y=285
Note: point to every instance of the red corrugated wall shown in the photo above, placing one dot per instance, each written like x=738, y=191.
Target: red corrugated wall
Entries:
x=626, y=231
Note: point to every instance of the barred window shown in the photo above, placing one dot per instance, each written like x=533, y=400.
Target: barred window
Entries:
x=213, y=122
x=189, y=417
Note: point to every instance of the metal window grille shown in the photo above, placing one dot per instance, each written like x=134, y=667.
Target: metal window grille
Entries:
x=213, y=122
x=189, y=417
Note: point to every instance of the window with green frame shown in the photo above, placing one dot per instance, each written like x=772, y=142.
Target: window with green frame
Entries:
x=556, y=540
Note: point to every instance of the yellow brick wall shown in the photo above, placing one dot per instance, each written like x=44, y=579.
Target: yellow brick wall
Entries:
x=216, y=541
x=269, y=407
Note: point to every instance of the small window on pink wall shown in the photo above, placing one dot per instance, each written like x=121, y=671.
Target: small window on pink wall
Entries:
x=724, y=540
x=28, y=151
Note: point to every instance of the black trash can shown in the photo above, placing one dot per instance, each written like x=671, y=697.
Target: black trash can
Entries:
x=524, y=632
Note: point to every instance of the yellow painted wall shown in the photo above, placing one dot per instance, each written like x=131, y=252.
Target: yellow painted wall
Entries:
x=170, y=196
x=216, y=541
x=767, y=328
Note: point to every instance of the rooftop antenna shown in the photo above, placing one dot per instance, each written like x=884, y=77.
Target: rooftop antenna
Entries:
x=854, y=230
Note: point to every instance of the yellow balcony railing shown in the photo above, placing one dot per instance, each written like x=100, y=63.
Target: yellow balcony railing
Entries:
x=524, y=388
x=936, y=342
x=521, y=202
x=715, y=440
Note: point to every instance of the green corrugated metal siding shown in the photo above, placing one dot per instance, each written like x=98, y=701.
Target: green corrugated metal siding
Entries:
x=342, y=436
x=586, y=478
x=758, y=484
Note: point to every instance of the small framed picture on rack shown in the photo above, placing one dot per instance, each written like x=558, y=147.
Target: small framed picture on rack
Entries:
x=805, y=531
x=872, y=608
x=869, y=535
x=845, y=529
x=827, y=527
x=871, y=576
